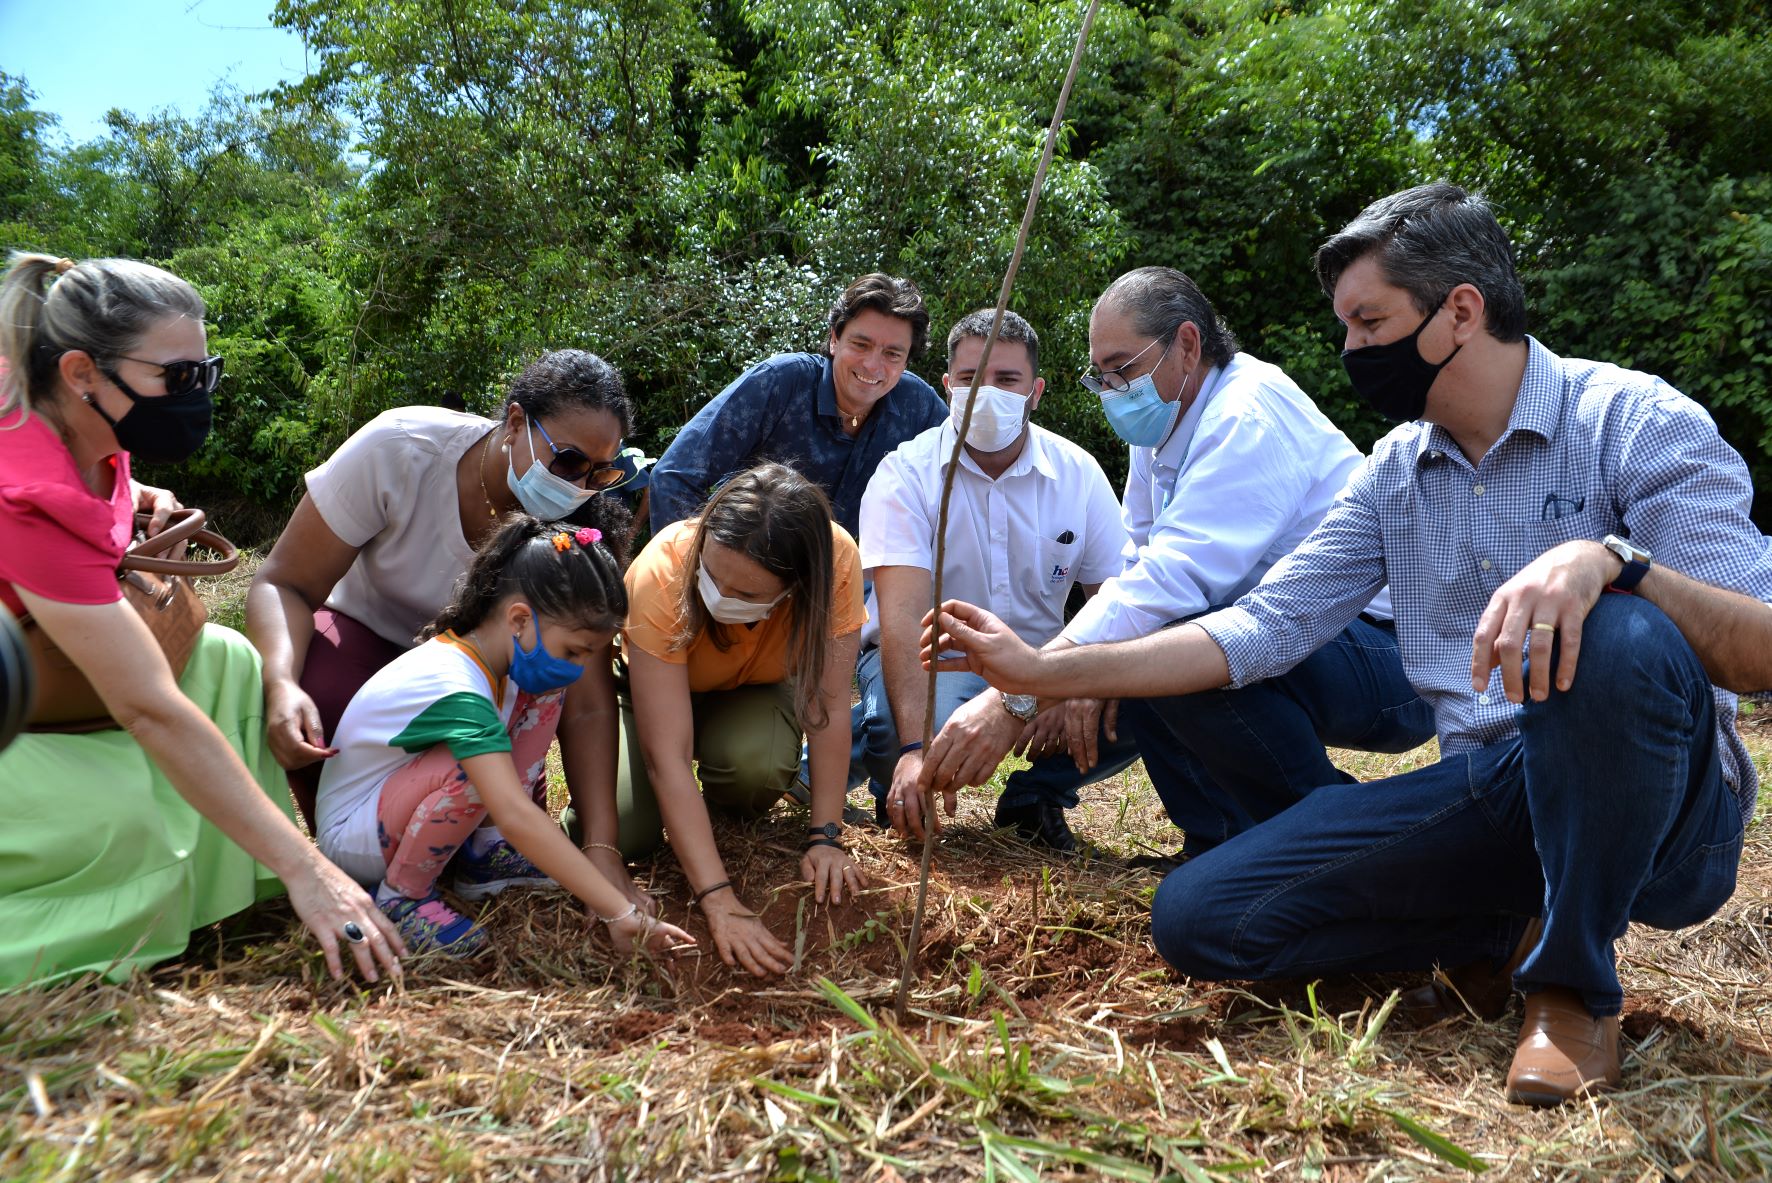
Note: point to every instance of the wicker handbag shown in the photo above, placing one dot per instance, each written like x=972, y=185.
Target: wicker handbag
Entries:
x=158, y=587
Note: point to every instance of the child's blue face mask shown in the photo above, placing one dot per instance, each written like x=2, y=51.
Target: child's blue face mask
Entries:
x=536, y=670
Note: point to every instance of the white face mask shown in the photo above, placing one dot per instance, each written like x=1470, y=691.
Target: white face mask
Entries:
x=731, y=609
x=540, y=492
x=998, y=416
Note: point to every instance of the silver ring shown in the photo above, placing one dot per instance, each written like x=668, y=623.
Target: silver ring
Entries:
x=353, y=933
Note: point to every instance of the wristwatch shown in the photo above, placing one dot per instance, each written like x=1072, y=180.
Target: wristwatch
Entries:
x=1022, y=706
x=828, y=830
x=1635, y=559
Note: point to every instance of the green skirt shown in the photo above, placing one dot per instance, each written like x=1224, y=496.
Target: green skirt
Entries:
x=103, y=866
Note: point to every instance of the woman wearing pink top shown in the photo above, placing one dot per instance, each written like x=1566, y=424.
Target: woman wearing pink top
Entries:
x=115, y=845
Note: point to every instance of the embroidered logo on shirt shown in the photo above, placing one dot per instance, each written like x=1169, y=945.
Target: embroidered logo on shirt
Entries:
x=1059, y=574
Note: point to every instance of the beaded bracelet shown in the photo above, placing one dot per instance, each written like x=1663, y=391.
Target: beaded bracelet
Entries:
x=615, y=850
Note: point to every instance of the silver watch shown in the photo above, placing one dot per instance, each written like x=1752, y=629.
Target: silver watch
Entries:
x=1022, y=706
x=1636, y=562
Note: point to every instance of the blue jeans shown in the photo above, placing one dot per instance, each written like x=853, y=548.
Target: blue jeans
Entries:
x=1609, y=806
x=1223, y=760
x=1052, y=779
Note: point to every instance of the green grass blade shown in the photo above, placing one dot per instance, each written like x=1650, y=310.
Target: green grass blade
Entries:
x=1453, y=1153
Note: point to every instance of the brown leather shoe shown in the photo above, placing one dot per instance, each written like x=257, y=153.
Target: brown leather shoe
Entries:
x=1474, y=988
x=1564, y=1052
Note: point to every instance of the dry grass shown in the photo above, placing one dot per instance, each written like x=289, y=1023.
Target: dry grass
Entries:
x=1047, y=1040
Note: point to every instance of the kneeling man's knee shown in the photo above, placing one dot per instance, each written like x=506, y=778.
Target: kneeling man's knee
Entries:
x=1193, y=929
x=1626, y=643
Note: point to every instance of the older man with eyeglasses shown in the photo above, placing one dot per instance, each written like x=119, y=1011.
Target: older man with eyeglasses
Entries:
x=1232, y=466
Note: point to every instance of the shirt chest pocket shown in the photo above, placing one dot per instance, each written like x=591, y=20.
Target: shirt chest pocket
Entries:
x=1053, y=576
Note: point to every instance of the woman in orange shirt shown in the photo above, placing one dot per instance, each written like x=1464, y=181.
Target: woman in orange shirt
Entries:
x=741, y=636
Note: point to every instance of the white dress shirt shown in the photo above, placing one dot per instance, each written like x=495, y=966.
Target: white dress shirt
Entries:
x=1015, y=544
x=1244, y=477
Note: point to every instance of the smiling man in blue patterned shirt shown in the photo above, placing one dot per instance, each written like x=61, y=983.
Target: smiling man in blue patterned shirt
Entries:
x=833, y=415
x=1556, y=814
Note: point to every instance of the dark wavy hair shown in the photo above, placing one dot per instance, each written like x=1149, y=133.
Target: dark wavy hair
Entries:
x=580, y=587
x=781, y=521
x=571, y=379
x=888, y=294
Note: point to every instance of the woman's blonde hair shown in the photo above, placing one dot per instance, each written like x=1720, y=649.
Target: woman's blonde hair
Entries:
x=102, y=307
x=781, y=521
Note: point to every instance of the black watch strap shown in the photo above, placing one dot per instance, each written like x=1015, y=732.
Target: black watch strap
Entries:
x=829, y=830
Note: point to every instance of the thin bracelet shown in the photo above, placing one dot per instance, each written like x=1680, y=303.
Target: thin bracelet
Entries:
x=911, y=747
x=632, y=908
x=705, y=892
x=616, y=850
x=822, y=842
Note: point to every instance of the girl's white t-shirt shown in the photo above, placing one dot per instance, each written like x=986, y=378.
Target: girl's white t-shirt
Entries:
x=390, y=491
x=436, y=693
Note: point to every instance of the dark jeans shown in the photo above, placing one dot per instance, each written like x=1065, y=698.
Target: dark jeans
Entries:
x=1224, y=760
x=1610, y=806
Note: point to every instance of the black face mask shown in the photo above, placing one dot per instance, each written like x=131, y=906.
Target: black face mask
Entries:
x=1394, y=378
x=163, y=430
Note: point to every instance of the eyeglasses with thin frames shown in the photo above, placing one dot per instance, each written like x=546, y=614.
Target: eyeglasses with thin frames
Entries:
x=1115, y=381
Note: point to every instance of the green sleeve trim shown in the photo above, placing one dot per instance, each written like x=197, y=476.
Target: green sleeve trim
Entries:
x=468, y=723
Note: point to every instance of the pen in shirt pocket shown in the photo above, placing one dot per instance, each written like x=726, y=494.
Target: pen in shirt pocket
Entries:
x=1066, y=538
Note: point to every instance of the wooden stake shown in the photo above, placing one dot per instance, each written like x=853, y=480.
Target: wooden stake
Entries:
x=947, y=490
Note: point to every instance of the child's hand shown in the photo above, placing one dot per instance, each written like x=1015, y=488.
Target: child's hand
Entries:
x=654, y=935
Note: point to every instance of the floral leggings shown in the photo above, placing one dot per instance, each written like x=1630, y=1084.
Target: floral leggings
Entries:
x=428, y=807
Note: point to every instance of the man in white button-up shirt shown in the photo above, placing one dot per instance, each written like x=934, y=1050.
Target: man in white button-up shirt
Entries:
x=1232, y=466
x=1031, y=515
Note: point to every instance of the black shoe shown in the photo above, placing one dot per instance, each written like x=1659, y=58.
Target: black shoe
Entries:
x=1041, y=825
x=1162, y=864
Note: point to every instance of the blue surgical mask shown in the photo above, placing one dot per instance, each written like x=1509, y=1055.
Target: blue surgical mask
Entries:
x=536, y=670
x=1138, y=414
x=540, y=492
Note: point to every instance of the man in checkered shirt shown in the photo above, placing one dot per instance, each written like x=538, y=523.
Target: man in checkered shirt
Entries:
x=1564, y=805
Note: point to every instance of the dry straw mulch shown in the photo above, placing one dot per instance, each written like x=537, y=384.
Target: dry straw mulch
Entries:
x=1047, y=1041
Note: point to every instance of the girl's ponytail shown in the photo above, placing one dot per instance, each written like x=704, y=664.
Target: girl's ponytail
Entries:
x=568, y=573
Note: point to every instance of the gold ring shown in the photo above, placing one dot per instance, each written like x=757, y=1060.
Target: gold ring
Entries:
x=1544, y=624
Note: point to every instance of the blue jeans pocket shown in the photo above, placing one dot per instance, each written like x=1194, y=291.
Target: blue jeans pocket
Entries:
x=1693, y=889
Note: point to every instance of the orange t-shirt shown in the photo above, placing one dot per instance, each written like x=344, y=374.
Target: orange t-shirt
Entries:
x=757, y=654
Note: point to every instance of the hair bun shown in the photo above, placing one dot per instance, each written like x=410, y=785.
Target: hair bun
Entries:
x=63, y=266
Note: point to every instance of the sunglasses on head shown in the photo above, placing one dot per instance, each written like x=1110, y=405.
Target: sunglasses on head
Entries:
x=185, y=377
x=573, y=465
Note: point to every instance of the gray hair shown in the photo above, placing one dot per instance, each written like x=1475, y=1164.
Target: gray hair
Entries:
x=978, y=324
x=102, y=306
x=1161, y=299
x=1428, y=240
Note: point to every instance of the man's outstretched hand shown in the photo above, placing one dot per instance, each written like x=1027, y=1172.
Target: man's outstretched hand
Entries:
x=988, y=647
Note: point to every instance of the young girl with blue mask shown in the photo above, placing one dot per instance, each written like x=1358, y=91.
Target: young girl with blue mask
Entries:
x=442, y=754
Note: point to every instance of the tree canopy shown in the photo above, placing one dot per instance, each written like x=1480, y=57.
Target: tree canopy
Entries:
x=683, y=187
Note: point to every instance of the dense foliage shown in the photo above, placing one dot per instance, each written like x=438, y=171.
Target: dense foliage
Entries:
x=684, y=186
